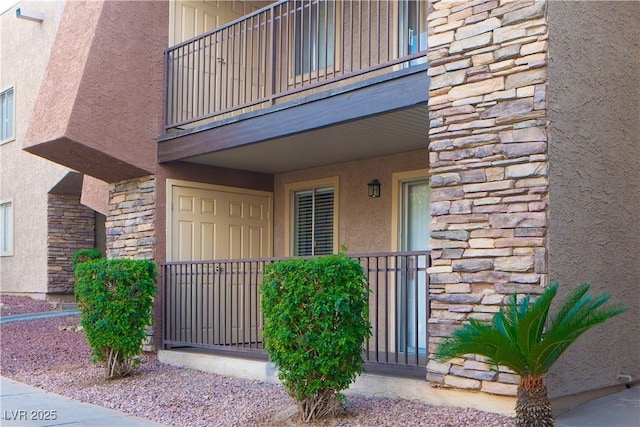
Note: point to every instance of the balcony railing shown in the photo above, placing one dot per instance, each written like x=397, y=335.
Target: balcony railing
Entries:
x=288, y=47
x=216, y=305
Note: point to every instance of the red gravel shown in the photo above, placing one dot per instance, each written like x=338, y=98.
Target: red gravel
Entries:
x=50, y=354
x=14, y=304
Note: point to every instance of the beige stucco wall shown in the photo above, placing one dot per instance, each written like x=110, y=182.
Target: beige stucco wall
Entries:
x=594, y=149
x=364, y=223
x=24, y=178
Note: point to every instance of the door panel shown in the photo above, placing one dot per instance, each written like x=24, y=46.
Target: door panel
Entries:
x=185, y=239
x=208, y=236
x=255, y=239
x=235, y=242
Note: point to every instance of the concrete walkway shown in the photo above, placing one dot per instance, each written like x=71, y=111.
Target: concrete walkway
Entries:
x=23, y=405
x=620, y=409
x=36, y=316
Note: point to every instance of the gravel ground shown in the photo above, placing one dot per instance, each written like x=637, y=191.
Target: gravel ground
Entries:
x=12, y=304
x=52, y=355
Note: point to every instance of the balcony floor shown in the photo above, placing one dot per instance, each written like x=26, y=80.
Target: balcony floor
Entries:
x=380, y=116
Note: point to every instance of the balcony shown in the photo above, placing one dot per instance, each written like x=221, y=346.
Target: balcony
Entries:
x=296, y=72
x=215, y=305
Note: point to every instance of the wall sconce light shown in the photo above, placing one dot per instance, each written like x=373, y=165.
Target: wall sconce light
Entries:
x=374, y=188
x=29, y=15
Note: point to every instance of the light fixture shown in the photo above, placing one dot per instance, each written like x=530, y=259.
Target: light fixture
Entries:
x=374, y=188
x=29, y=15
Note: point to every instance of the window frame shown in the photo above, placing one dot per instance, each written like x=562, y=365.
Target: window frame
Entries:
x=398, y=179
x=3, y=92
x=10, y=243
x=289, y=192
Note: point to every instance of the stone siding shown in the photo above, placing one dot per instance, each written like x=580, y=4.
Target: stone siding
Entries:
x=71, y=227
x=489, y=169
x=130, y=223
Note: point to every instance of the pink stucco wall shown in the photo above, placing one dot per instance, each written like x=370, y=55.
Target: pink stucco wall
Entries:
x=100, y=107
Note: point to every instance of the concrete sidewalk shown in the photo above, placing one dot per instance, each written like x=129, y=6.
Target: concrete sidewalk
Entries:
x=23, y=405
x=621, y=409
x=36, y=316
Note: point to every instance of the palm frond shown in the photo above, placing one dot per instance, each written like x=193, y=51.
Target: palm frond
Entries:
x=485, y=340
x=560, y=335
x=517, y=338
x=533, y=319
x=570, y=301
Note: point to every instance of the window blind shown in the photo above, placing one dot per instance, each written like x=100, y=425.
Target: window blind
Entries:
x=313, y=222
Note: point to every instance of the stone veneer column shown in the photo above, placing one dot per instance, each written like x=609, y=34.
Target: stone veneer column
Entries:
x=71, y=227
x=130, y=225
x=488, y=162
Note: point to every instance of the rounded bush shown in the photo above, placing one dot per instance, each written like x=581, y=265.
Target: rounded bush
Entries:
x=115, y=298
x=316, y=322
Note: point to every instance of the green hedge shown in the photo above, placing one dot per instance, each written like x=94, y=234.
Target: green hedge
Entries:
x=316, y=321
x=115, y=298
x=84, y=255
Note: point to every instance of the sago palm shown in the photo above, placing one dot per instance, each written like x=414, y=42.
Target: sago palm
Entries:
x=518, y=339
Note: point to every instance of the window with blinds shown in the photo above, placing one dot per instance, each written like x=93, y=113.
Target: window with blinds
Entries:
x=313, y=221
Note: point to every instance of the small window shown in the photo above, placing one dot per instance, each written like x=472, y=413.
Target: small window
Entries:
x=7, y=131
x=313, y=217
x=6, y=228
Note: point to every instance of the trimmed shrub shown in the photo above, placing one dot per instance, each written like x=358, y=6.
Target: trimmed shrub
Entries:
x=115, y=297
x=84, y=255
x=316, y=321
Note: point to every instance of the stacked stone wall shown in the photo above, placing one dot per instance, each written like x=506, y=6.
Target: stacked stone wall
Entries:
x=71, y=227
x=489, y=166
x=130, y=225
x=130, y=222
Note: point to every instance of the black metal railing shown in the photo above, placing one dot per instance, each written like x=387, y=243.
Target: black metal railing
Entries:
x=216, y=305
x=289, y=47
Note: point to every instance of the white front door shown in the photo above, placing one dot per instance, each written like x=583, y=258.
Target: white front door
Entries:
x=220, y=306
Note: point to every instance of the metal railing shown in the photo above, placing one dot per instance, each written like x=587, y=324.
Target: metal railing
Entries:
x=285, y=48
x=216, y=305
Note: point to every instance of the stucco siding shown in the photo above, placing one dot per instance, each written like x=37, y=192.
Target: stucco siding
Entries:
x=100, y=108
x=364, y=222
x=25, y=179
x=594, y=149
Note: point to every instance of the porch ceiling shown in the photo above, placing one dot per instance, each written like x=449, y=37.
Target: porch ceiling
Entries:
x=376, y=117
x=380, y=135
